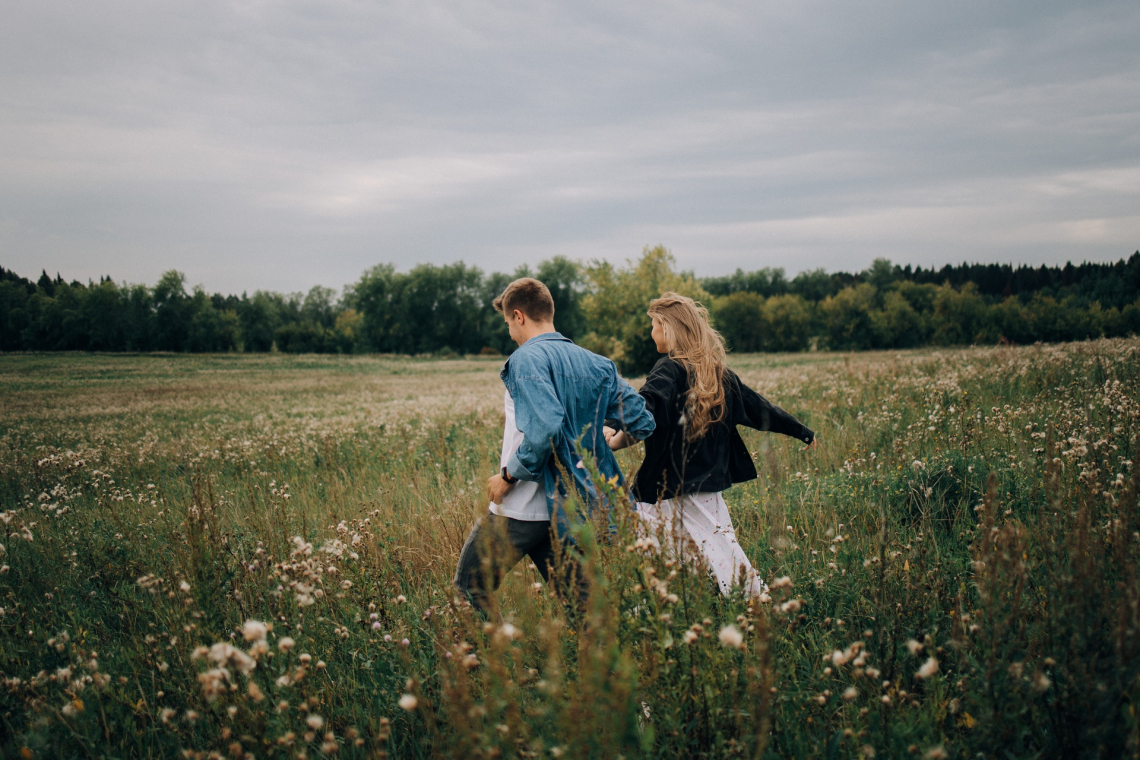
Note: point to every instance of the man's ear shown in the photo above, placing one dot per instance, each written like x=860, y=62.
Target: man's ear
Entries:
x=519, y=316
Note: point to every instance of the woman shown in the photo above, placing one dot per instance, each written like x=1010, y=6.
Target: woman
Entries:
x=696, y=452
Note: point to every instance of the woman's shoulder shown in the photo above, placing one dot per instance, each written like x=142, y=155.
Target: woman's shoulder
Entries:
x=666, y=363
x=669, y=368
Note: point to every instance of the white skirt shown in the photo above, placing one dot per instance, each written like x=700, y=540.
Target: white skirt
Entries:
x=701, y=522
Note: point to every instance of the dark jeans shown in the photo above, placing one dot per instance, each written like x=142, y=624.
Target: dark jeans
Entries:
x=496, y=544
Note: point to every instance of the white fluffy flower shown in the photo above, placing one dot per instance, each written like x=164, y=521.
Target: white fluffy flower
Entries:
x=731, y=636
x=254, y=630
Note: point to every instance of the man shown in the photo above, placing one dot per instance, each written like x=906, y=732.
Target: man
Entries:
x=559, y=393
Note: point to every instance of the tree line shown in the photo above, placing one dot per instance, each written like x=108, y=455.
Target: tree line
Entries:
x=432, y=309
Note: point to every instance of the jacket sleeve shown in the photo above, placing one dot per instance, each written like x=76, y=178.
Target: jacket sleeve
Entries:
x=538, y=415
x=761, y=414
x=627, y=408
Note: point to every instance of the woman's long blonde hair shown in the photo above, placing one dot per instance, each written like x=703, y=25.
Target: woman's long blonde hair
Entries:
x=700, y=349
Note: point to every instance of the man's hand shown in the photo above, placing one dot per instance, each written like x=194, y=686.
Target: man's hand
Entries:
x=497, y=488
x=608, y=432
x=812, y=445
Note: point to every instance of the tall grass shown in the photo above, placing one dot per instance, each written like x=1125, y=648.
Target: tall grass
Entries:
x=236, y=556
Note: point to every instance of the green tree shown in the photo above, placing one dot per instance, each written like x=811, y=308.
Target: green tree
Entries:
x=209, y=330
x=847, y=318
x=897, y=324
x=882, y=274
x=788, y=322
x=171, y=304
x=616, y=301
x=14, y=316
x=740, y=319
x=958, y=315
x=564, y=279
x=103, y=311
x=813, y=285
x=259, y=319
x=429, y=309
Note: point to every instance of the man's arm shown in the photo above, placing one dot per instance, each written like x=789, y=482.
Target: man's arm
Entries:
x=628, y=408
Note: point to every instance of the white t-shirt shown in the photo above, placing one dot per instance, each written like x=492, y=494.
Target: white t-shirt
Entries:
x=526, y=500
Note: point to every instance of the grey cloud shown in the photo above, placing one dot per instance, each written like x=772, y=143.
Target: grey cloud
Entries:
x=279, y=145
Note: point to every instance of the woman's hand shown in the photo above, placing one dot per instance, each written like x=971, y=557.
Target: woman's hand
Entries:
x=617, y=439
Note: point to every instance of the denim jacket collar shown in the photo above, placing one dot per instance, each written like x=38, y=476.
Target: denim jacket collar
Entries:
x=543, y=336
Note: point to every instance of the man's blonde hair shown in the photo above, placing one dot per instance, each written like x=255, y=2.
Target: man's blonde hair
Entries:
x=700, y=349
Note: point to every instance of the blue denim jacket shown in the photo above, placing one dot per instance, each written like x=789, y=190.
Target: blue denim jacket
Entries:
x=562, y=391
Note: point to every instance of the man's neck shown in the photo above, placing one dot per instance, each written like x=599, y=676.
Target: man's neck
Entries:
x=534, y=329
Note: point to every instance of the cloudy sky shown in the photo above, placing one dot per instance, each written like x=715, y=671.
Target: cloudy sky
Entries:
x=283, y=144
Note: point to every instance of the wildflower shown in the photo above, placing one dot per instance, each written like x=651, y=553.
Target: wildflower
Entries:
x=784, y=581
x=1041, y=682
x=255, y=692
x=936, y=753
x=792, y=605
x=731, y=636
x=214, y=682
x=388, y=638
x=314, y=721
x=914, y=647
x=929, y=668
x=850, y=693
x=401, y=599
x=510, y=631
x=690, y=636
x=254, y=630
x=305, y=658
x=376, y=625
x=166, y=715
x=408, y=702
x=404, y=642
x=285, y=643
x=227, y=654
x=184, y=586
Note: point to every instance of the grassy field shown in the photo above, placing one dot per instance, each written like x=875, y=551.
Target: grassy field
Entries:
x=230, y=556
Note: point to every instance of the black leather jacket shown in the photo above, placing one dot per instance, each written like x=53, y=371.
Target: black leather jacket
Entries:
x=716, y=460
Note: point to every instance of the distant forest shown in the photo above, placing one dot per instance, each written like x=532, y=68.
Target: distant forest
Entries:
x=443, y=310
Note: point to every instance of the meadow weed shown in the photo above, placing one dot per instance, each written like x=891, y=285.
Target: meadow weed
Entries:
x=250, y=556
